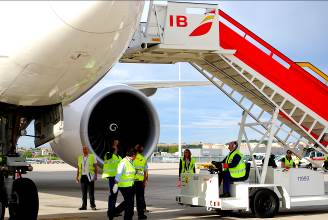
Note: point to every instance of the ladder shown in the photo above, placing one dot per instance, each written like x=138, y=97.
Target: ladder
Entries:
x=253, y=74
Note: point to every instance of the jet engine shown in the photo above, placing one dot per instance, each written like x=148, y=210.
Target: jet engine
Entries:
x=117, y=112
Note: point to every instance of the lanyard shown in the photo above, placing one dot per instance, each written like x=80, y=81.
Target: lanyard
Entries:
x=85, y=160
x=187, y=165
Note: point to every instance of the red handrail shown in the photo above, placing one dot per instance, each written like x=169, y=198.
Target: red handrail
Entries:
x=273, y=50
x=255, y=37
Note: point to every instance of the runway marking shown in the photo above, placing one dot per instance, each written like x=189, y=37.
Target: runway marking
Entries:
x=69, y=218
x=193, y=217
x=166, y=211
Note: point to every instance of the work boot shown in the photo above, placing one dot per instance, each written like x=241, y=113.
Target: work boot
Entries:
x=94, y=208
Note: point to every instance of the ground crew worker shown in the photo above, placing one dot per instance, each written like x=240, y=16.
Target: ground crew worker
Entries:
x=87, y=175
x=141, y=178
x=233, y=166
x=186, y=166
x=296, y=160
x=287, y=161
x=325, y=163
x=111, y=161
x=124, y=180
x=271, y=162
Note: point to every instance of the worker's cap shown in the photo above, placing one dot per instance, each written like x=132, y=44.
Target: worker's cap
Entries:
x=235, y=143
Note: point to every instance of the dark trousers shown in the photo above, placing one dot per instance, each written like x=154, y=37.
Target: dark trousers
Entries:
x=223, y=177
x=111, y=198
x=85, y=186
x=128, y=204
x=139, y=190
x=227, y=180
x=325, y=165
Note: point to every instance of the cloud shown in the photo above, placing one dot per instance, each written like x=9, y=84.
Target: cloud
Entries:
x=297, y=28
x=203, y=119
x=214, y=122
x=117, y=74
x=165, y=95
x=142, y=72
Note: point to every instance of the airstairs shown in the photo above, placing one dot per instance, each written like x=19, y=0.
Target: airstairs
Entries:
x=252, y=73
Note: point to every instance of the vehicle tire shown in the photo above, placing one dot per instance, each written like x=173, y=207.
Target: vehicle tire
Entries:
x=265, y=203
x=309, y=166
x=27, y=200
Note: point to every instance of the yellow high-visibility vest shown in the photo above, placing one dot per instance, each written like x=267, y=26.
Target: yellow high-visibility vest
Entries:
x=91, y=161
x=289, y=163
x=326, y=158
x=127, y=178
x=189, y=169
x=110, y=165
x=140, y=164
x=240, y=170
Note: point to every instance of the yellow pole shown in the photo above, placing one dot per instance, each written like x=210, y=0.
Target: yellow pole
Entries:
x=314, y=69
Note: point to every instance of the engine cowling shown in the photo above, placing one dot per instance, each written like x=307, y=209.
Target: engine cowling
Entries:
x=117, y=112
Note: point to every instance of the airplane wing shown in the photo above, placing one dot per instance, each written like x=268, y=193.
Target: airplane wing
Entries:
x=166, y=84
x=149, y=88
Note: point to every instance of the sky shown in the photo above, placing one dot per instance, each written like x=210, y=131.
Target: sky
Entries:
x=297, y=29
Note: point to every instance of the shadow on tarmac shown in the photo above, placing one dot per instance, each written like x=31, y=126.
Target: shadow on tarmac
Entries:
x=181, y=215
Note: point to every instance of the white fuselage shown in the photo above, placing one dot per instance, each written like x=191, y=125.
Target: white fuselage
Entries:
x=52, y=52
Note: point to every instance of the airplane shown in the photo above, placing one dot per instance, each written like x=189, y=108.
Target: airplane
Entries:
x=49, y=60
x=54, y=52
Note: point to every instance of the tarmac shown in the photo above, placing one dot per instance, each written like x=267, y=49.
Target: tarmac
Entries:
x=60, y=197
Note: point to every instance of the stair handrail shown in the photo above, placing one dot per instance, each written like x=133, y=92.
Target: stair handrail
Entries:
x=273, y=51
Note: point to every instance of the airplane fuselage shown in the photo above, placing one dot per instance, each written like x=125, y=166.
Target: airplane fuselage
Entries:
x=52, y=52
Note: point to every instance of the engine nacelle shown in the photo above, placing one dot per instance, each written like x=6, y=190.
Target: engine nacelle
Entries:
x=117, y=112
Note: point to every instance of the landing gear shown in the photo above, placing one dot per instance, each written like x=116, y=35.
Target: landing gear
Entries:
x=265, y=203
x=20, y=195
x=26, y=200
